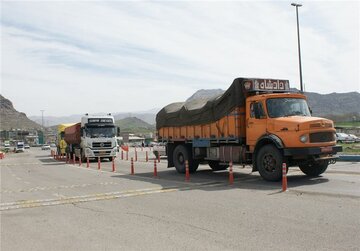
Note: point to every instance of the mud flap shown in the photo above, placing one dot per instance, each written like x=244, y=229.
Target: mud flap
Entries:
x=169, y=152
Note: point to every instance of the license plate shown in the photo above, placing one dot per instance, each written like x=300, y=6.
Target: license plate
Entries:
x=326, y=149
x=102, y=153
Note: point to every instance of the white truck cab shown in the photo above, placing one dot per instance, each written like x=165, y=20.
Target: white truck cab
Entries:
x=98, y=136
x=19, y=147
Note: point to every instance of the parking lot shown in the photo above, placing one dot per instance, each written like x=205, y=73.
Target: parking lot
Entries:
x=48, y=204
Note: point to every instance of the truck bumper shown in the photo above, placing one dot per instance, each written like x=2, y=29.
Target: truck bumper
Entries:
x=312, y=151
x=94, y=153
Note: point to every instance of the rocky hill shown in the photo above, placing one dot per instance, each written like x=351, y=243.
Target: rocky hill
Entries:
x=12, y=119
x=335, y=105
x=134, y=125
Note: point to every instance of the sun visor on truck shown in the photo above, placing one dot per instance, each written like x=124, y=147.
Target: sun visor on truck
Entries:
x=202, y=111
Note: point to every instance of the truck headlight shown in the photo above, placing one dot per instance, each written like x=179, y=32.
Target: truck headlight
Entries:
x=89, y=152
x=303, y=138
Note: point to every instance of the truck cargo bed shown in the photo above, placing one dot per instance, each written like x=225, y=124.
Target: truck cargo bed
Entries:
x=72, y=134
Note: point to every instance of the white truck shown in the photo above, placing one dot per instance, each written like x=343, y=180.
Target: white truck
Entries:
x=19, y=147
x=93, y=137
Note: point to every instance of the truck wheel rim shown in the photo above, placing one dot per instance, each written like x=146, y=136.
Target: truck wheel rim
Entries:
x=269, y=163
x=181, y=158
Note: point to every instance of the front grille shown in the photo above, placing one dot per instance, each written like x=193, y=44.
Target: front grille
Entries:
x=321, y=125
x=319, y=137
x=101, y=144
x=102, y=153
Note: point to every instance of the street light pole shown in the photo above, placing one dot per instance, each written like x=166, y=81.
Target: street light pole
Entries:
x=42, y=125
x=42, y=118
x=298, y=35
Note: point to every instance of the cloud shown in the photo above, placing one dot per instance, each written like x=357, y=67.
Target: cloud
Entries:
x=77, y=57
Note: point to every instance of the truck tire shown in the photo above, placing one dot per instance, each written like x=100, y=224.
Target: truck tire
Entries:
x=314, y=169
x=83, y=158
x=180, y=154
x=215, y=165
x=269, y=163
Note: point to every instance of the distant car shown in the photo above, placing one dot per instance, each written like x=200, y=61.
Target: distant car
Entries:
x=151, y=144
x=45, y=147
x=355, y=138
x=26, y=146
x=7, y=147
x=344, y=138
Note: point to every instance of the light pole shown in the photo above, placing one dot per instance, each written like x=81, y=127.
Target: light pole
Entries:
x=42, y=118
x=298, y=35
x=42, y=125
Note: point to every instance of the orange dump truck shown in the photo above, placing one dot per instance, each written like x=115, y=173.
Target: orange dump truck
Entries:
x=256, y=121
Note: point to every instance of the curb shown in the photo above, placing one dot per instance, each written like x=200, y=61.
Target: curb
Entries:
x=354, y=158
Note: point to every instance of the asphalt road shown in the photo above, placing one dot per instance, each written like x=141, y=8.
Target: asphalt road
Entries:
x=50, y=205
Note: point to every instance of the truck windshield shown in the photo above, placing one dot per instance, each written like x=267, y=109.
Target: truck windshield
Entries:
x=285, y=107
x=97, y=132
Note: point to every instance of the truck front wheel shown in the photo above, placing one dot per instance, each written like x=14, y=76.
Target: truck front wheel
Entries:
x=314, y=169
x=181, y=153
x=269, y=163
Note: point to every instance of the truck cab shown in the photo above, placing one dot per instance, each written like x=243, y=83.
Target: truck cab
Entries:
x=284, y=120
x=19, y=147
x=93, y=137
x=98, y=136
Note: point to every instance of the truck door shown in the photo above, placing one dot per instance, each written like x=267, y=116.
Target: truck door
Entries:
x=256, y=122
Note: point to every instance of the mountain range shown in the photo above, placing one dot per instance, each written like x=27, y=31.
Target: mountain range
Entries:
x=148, y=117
x=336, y=106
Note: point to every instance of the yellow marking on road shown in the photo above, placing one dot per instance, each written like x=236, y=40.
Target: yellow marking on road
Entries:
x=21, y=164
x=96, y=197
x=84, y=198
x=34, y=189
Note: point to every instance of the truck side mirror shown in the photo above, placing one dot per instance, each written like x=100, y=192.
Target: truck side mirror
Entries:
x=117, y=131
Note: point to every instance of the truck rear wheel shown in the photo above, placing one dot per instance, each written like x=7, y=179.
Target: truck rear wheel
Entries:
x=269, y=163
x=314, y=169
x=180, y=154
x=215, y=165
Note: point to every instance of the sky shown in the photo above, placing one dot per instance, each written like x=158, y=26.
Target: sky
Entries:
x=76, y=57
